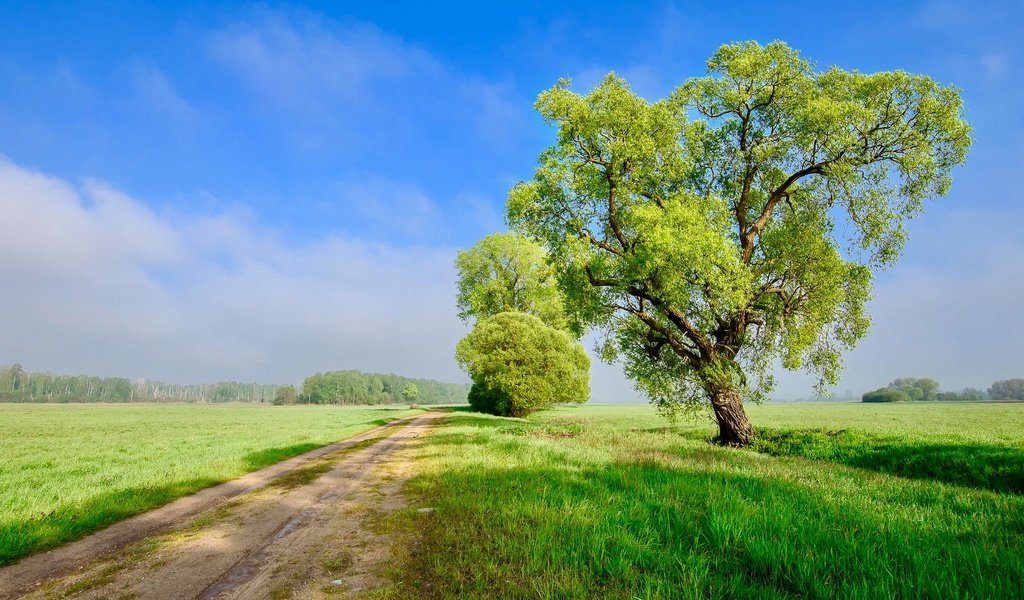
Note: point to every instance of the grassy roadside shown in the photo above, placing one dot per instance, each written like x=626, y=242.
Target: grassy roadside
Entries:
x=609, y=502
x=67, y=470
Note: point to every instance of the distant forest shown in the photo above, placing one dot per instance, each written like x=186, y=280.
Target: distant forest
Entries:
x=356, y=387
x=338, y=387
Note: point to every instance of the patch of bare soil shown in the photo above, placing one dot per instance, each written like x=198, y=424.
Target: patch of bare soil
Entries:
x=301, y=532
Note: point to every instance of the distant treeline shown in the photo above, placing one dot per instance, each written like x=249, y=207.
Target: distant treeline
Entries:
x=18, y=385
x=356, y=387
x=909, y=389
x=338, y=387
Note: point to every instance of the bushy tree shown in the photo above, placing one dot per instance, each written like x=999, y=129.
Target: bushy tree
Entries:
x=707, y=249
x=916, y=388
x=1007, y=389
x=886, y=395
x=285, y=394
x=520, y=365
x=507, y=272
x=905, y=389
x=411, y=392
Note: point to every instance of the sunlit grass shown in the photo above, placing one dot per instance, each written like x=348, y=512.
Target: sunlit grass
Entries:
x=611, y=502
x=66, y=470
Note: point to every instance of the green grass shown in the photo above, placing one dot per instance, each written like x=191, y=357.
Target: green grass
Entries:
x=67, y=470
x=597, y=502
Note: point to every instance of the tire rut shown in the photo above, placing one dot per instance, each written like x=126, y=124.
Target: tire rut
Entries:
x=240, y=541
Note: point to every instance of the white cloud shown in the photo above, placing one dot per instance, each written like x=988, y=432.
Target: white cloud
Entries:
x=396, y=207
x=97, y=282
x=156, y=91
x=302, y=63
x=356, y=86
x=951, y=310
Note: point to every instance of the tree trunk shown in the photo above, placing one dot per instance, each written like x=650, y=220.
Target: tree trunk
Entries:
x=734, y=429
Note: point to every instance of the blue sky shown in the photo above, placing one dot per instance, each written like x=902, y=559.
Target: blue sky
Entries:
x=261, y=191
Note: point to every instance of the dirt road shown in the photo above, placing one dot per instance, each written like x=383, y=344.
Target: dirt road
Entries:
x=297, y=529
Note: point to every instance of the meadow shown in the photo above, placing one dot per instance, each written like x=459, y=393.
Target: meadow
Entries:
x=67, y=470
x=834, y=501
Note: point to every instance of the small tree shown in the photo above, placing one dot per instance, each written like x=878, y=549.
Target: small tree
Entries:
x=886, y=395
x=1007, y=389
x=411, y=393
x=916, y=388
x=285, y=394
x=520, y=365
x=507, y=272
x=708, y=249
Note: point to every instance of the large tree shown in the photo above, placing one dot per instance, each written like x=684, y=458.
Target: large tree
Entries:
x=738, y=221
x=508, y=272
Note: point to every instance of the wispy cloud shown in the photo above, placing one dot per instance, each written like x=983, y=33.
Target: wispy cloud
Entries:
x=157, y=92
x=393, y=207
x=97, y=282
x=951, y=310
x=358, y=85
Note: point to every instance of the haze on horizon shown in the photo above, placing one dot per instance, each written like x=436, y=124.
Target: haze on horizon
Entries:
x=257, y=193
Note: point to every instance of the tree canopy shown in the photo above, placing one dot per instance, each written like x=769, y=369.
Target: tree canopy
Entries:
x=285, y=394
x=520, y=365
x=1007, y=389
x=907, y=389
x=507, y=272
x=736, y=222
x=356, y=387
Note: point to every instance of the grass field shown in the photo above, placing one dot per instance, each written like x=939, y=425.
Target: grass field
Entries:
x=67, y=470
x=836, y=501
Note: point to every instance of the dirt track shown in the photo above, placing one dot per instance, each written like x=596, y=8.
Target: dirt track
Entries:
x=295, y=529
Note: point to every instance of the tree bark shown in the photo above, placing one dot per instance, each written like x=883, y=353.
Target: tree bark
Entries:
x=734, y=429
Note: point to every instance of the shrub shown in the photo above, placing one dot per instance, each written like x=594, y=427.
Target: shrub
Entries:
x=886, y=395
x=520, y=365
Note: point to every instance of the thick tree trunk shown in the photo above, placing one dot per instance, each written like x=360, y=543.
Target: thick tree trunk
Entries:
x=734, y=429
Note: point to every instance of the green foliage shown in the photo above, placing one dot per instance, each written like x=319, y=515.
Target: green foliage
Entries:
x=965, y=395
x=608, y=502
x=410, y=392
x=285, y=394
x=487, y=399
x=520, y=365
x=886, y=395
x=356, y=387
x=507, y=272
x=707, y=249
x=918, y=389
x=1007, y=389
x=68, y=470
x=18, y=385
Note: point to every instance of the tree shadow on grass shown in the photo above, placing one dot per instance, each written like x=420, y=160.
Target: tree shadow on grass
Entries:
x=674, y=526
x=990, y=467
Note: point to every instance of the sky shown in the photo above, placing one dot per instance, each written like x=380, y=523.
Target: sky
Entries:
x=258, y=192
